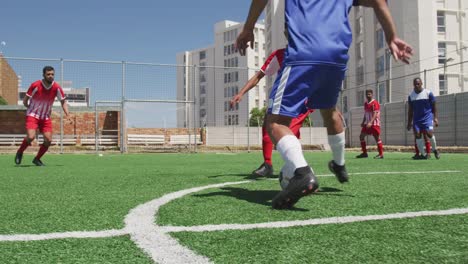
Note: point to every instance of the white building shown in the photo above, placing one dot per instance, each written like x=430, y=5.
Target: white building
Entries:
x=436, y=29
x=438, y=32
x=216, y=73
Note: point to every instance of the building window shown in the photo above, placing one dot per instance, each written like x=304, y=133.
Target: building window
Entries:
x=360, y=75
x=202, y=55
x=202, y=89
x=202, y=113
x=440, y=21
x=380, y=38
x=202, y=101
x=359, y=25
x=360, y=98
x=381, y=92
x=360, y=50
x=442, y=85
x=442, y=52
x=256, y=61
x=380, y=66
x=256, y=46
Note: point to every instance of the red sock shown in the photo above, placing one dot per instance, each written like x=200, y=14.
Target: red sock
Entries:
x=416, y=149
x=428, y=146
x=363, y=147
x=42, y=150
x=24, y=146
x=380, y=147
x=267, y=146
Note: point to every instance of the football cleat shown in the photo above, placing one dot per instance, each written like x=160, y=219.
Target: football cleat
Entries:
x=378, y=157
x=38, y=162
x=422, y=157
x=339, y=171
x=436, y=154
x=362, y=155
x=302, y=184
x=18, y=158
x=265, y=170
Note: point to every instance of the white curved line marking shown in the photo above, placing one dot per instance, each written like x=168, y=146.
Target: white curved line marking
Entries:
x=77, y=234
x=159, y=245
x=318, y=221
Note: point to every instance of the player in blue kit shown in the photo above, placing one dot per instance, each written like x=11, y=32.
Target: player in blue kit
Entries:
x=313, y=71
x=422, y=114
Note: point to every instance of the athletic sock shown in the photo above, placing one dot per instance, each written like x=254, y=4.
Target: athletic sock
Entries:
x=337, y=145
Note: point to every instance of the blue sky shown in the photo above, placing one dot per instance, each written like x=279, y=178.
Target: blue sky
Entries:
x=143, y=31
x=137, y=31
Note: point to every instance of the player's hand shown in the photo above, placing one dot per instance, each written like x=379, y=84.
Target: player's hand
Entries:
x=235, y=100
x=369, y=125
x=400, y=50
x=436, y=122
x=408, y=126
x=243, y=39
x=363, y=125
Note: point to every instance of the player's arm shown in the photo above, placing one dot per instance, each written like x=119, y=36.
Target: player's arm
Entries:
x=434, y=111
x=64, y=106
x=363, y=123
x=247, y=35
x=374, y=116
x=400, y=49
x=26, y=101
x=410, y=116
x=247, y=87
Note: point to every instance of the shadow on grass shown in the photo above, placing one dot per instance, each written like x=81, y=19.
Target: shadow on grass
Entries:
x=263, y=197
x=244, y=175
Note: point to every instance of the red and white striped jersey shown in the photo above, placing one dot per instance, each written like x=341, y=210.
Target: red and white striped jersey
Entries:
x=273, y=63
x=42, y=98
x=369, y=109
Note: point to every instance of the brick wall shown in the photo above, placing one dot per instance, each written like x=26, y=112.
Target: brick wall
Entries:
x=8, y=82
x=78, y=123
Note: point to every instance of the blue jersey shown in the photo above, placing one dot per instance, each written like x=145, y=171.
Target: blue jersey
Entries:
x=422, y=106
x=319, y=31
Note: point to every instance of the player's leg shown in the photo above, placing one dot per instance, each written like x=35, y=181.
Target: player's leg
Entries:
x=427, y=142
x=419, y=141
x=266, y=168
x=416, y=149
x=432, y=139
x=296, y=123
x=287, y=100
x=46, y=128
x=362, y=139
x=379, y=142
x=31, y=126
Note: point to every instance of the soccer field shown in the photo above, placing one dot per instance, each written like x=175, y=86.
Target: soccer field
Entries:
x=178, y=208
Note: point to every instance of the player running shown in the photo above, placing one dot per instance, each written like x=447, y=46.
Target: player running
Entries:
x=371, y=125
x=38, y=101
x=314, y=68
x=271, y=66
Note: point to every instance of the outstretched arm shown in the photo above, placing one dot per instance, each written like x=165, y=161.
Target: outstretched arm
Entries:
x=247, y=35
x=249, y=85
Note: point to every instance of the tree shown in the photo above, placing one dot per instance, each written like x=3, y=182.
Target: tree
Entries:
x=256, y=116
x=3, y=101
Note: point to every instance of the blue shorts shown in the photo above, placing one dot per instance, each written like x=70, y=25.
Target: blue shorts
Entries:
x=299, y=87
x=423, y=126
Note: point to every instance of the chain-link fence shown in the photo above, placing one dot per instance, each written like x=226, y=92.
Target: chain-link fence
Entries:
x=134, y=107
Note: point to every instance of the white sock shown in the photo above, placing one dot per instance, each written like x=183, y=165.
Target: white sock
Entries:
x=291, y=151
x=421, y=147
x=433, y=142
x=337, y=145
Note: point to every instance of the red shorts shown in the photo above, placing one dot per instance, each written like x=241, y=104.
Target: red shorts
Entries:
x=296, y=123
x=44, y=125
x=373, y=130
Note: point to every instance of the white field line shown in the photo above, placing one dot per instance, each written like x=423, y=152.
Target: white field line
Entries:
x=74, y=234
x=159, y=245
x=392, y=172
x=318, y=221
x=162, y=248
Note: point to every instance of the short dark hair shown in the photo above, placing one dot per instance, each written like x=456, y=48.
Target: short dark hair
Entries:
x=370, y=91
x=417, y=78
x=47, y=68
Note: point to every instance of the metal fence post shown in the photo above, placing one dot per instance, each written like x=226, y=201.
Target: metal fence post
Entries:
x=405, y=114
x=61, y=110
x=96, y=127
x=123, y=149
x=455, y=118
x=194, y=109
